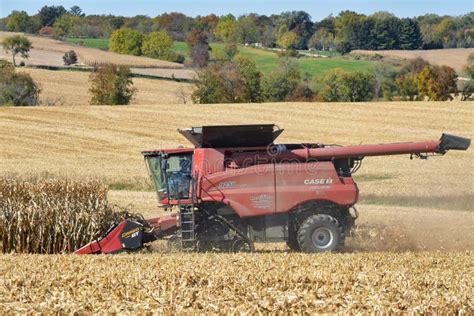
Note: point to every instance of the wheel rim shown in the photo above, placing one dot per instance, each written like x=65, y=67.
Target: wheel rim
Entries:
x=322, y=237
x=240, y=245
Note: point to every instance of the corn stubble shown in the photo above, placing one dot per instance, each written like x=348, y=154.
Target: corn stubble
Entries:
x=266, y=282
x=52, y=215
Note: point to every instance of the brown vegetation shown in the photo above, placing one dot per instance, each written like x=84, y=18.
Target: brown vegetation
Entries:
x=52, y=216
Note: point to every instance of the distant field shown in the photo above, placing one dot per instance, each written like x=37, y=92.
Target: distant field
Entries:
x=87, y=56
x=267, y=60
x=100, y=43
x=106, y=141
x=71, y=88
x=453, y=57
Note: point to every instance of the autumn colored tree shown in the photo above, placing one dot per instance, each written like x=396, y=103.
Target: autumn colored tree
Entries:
x=111, y=85
x=287, y=40
x=437, y=83
x=198, y=44
x=126, y=41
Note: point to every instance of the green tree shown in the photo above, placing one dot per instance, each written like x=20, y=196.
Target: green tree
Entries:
x=282, y=82
x=15, y=45
x=409, y=34
x=157, y=45
x=407, y=86
x=64, y=25
x=251, y=78
x=236, y=81
x=225, y=29
x=333, y=88
x=76, y=11
x=467, y=87
x=49, y=14
x=246, y=30
x=321, y=39
x=126, y=41
x=19, y=21
x=287, y=40
x=17, y=89
x=360, y=86
x=340, y=86
x=111, y=85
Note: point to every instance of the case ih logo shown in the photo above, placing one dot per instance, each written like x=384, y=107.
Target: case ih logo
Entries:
x=318, y=181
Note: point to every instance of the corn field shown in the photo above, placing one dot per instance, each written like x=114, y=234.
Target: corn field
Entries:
x=276, y=282
x=52, y=215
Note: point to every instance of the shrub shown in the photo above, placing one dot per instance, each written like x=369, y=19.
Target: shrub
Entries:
x=282, y=82
x=333, y=88
x=126, y=41
x=340, y=86
x=17, y=89
x=111, y=85
x=70, y=58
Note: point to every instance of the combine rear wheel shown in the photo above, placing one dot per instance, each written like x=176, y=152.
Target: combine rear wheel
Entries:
x=320, y=233
x=242, y=245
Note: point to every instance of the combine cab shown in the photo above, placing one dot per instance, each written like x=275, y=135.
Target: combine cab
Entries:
x=237, y=187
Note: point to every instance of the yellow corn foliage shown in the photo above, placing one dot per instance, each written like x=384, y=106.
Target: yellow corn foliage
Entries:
x=52, y=215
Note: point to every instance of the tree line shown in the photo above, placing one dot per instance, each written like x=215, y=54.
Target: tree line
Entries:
x=288, y=30
x=237, y=80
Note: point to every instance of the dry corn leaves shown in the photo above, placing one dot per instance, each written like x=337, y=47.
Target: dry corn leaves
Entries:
x=52, y=215
x=265, y=282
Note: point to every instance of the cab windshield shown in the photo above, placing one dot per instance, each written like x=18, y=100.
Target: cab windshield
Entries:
x=171, y=176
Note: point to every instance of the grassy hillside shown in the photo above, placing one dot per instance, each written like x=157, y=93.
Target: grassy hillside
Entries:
x=265, y=60
x=100, y=43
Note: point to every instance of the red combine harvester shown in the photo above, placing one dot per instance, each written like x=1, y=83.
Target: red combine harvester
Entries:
x=237, y=187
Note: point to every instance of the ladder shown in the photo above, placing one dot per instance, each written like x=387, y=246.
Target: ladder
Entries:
x=187, y=223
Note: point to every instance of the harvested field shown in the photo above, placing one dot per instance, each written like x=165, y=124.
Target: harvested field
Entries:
x=87, y=56
x=72, y=88
x=216, y=283
x=105, y=142
x=453, y=57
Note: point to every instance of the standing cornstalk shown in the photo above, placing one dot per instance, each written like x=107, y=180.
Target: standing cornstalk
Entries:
x=52, y=216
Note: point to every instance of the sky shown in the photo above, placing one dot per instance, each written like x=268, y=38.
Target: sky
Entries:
x=318, y=9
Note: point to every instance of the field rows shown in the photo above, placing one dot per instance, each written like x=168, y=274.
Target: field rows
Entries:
x=211, y=283
x=105, y=142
